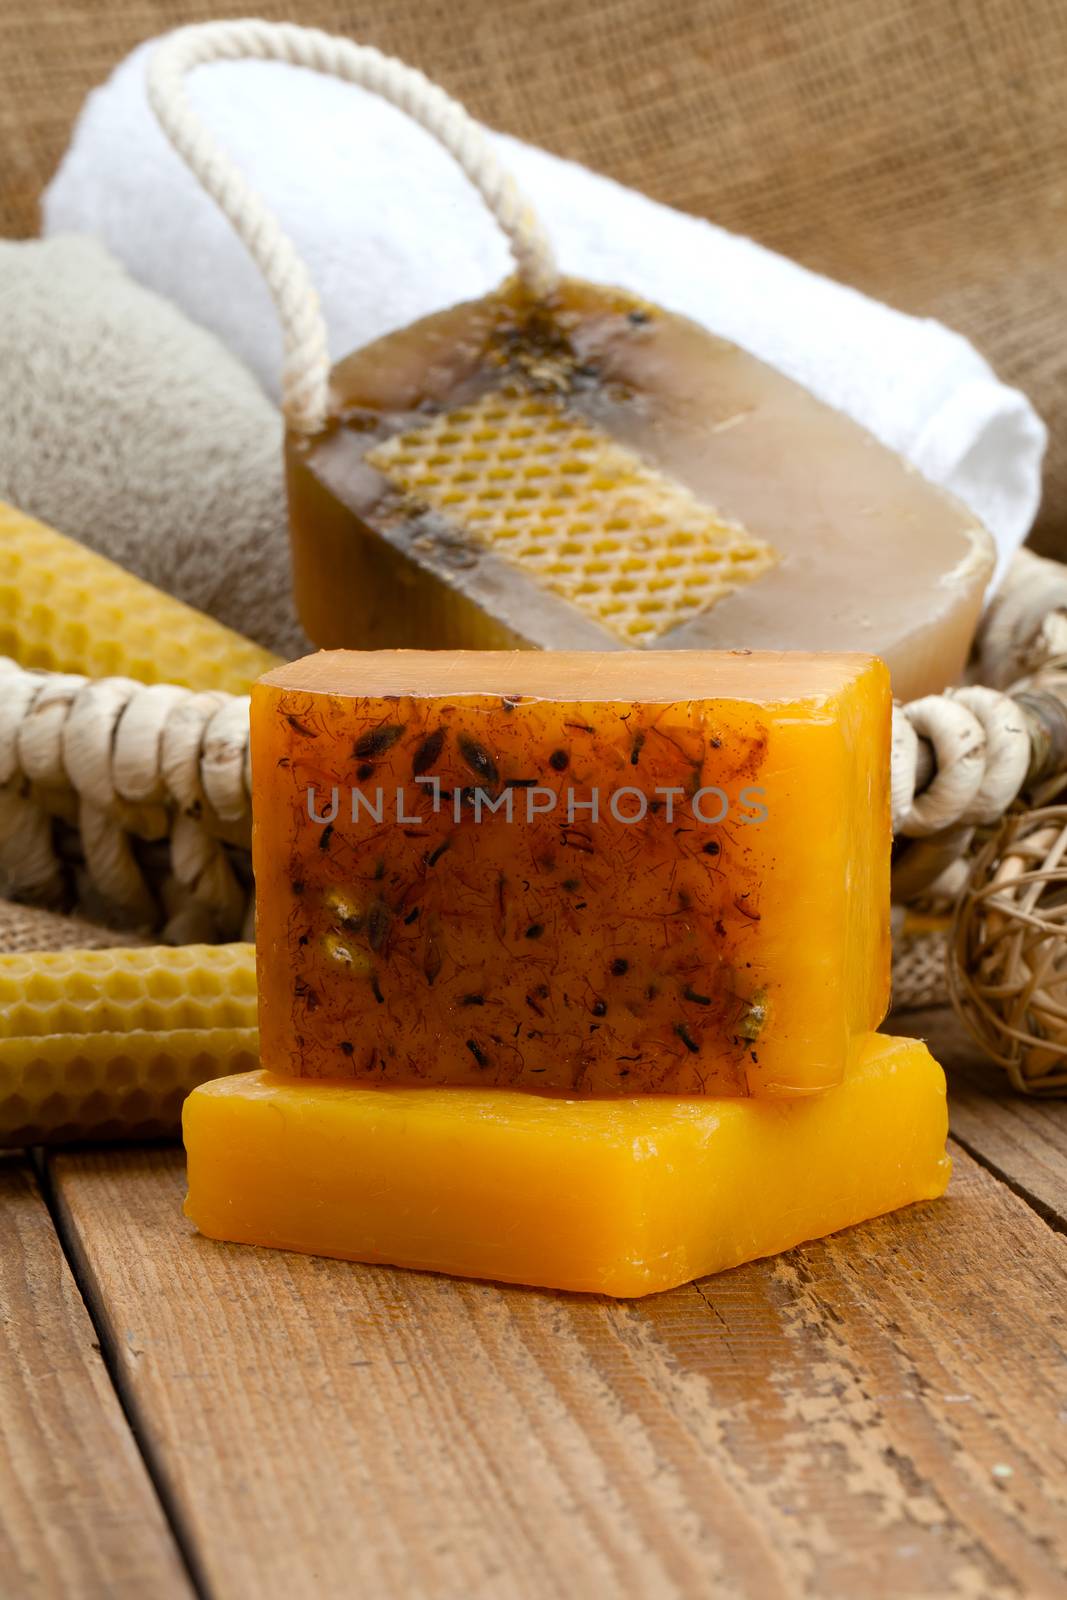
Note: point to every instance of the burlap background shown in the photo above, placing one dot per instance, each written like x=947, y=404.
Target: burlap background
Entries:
x=916, y=148
x=28, y=928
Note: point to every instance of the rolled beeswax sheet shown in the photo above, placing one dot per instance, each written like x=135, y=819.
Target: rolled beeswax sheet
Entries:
x=411, y=238
x=660, y=871
x=65, y=609
x=106, y=1043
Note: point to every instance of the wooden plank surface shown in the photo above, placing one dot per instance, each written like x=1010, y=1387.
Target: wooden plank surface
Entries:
x=879, y=1414
x=78, y=1514
x=1021, y=1138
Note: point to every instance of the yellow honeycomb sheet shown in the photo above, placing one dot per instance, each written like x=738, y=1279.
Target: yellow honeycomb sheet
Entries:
x=107, y=1043
x=546, y=489
x=66, y=609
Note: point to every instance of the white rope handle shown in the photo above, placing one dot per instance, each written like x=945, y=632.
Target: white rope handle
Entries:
x=306, y=371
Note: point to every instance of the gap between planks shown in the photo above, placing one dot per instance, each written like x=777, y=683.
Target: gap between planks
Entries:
x=878, y=1413
x=78, y=1514
x=194, y=1586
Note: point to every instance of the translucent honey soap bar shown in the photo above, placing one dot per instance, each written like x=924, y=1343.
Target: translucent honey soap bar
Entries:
x=659, y=871
x=598, y=474
x=622, y=1196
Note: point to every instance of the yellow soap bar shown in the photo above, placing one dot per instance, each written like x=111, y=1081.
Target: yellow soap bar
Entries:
x=623, y=1196
x=107, y=1043
x=66, y=609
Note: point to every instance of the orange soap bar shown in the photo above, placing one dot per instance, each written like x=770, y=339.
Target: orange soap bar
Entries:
x=657, y=872
x=624, y=1196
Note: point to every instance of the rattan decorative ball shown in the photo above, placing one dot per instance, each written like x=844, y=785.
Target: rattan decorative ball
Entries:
x=1007, y=958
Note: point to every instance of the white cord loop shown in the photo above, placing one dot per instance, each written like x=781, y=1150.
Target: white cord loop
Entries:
x=1026, y=623
x=125, y=761
x=976, y=761
x=306, y=371
x=958, y=744
x=1007, y=750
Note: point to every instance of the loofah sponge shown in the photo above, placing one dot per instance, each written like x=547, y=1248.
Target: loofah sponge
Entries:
x=107, y=1043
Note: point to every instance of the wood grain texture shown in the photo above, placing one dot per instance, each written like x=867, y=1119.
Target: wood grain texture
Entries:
x=879, y=1414
x=78, y=1514
x=1021, y=1139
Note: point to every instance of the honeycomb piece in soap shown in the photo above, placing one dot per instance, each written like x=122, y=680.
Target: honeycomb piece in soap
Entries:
x=597, y=474
x=657, y=871
x=631, y=549
x=621, y=1196
x=66, y=609
x=107, y=1043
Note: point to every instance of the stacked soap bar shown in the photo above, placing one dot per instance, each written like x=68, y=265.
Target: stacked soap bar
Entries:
x=660, y=873
x=622, y=1195
x=569, y=967
x=596, y=473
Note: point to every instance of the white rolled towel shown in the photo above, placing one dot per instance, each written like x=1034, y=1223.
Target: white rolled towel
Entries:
x=391, y=230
